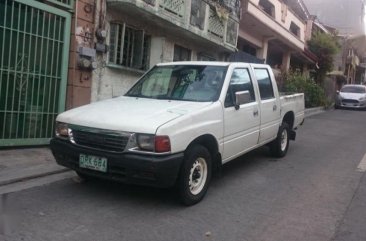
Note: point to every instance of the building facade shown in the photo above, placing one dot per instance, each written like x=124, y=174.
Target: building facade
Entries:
x=164, y=31
x=276, y=31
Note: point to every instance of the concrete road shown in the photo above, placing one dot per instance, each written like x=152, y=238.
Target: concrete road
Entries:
x=316, y=193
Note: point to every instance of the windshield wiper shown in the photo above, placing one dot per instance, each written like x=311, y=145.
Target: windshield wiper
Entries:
x=161, y=97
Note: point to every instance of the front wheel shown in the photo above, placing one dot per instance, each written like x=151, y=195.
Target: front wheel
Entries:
x=279, y=146
x=195, y=175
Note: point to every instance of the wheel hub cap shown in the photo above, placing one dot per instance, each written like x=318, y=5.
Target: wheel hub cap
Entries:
x=284, y=140
x=198, y=176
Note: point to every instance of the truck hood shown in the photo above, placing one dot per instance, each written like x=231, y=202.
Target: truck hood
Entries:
x=129, y=114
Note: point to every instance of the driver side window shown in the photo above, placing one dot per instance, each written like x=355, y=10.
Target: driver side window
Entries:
x=240, y=81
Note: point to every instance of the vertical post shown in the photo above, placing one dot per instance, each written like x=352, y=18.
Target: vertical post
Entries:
x=348, y=73
x=286, y=59
x=262, y=53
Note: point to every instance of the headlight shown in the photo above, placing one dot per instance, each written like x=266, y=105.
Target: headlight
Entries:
x=146, y=142
x=362, y=99
x=153, y=143
x=62, y=130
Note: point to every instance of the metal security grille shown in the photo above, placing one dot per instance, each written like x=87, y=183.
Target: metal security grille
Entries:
x=173, y=6
x=215, y=26
x=63, y=3
x=34, y=45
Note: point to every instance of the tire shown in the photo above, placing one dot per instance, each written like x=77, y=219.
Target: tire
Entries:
x=279, y=146
x=195, y=175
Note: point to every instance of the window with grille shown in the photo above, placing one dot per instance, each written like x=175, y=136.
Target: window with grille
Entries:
x=129, y=47
x=181, y=53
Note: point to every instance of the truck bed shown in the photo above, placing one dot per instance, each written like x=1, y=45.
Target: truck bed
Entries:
x=293, y=102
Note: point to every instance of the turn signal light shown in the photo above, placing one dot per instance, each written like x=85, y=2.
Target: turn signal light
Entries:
x=162, y=144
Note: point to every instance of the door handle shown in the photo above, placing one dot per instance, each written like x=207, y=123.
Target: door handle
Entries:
x=255, y=113
x=274, y=107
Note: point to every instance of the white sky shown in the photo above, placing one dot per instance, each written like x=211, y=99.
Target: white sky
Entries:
x=345, y=15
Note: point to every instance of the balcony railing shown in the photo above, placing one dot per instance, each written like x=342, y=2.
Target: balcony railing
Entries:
x=220, y=26
x=175, y=7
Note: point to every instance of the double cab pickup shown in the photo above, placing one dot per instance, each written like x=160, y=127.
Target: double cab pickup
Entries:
x=178, y=124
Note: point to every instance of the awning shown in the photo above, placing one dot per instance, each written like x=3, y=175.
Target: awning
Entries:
x=310, y=56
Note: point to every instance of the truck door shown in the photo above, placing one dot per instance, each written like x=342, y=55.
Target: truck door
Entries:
x=241, y=124
x=269, y=105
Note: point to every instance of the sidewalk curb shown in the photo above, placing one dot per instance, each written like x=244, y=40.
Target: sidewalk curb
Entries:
x=314, y=111
x=26, y=178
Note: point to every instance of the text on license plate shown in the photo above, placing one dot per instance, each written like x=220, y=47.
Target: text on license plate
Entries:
x=93, y=162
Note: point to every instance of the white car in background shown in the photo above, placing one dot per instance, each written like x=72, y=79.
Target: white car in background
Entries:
x=351, y=96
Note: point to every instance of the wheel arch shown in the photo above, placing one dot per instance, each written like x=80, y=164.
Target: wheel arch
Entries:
x=209, y=142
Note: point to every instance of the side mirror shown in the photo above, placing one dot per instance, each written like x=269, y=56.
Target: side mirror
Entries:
x=241, y=97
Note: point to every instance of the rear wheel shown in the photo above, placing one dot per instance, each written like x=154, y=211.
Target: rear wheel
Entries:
x=195, y=175
x=279, y=146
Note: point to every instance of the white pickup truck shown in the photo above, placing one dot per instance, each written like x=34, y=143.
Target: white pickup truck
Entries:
x=178, y=124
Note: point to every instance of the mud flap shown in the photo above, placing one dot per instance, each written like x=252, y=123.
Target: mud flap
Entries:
x=292, y=135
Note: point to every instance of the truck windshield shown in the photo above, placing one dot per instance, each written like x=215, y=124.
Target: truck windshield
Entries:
x=181, y=82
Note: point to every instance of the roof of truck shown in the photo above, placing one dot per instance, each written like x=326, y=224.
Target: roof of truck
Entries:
x=196, y=63
x=212, y=63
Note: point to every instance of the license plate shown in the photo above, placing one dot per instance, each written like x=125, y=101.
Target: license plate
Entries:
x=93, y=162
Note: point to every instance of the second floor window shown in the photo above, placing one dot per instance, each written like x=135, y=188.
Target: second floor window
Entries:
x=295, y=29
x=267, y=7
x=129, y=47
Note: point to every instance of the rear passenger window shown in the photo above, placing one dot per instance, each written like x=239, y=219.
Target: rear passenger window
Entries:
x=240, y=81
x=264, y=84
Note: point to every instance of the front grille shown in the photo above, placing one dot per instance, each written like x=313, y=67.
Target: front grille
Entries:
x=350, y=101
x=102, y=141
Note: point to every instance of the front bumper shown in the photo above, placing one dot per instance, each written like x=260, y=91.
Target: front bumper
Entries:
x=351, y=104
x=148, y=170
